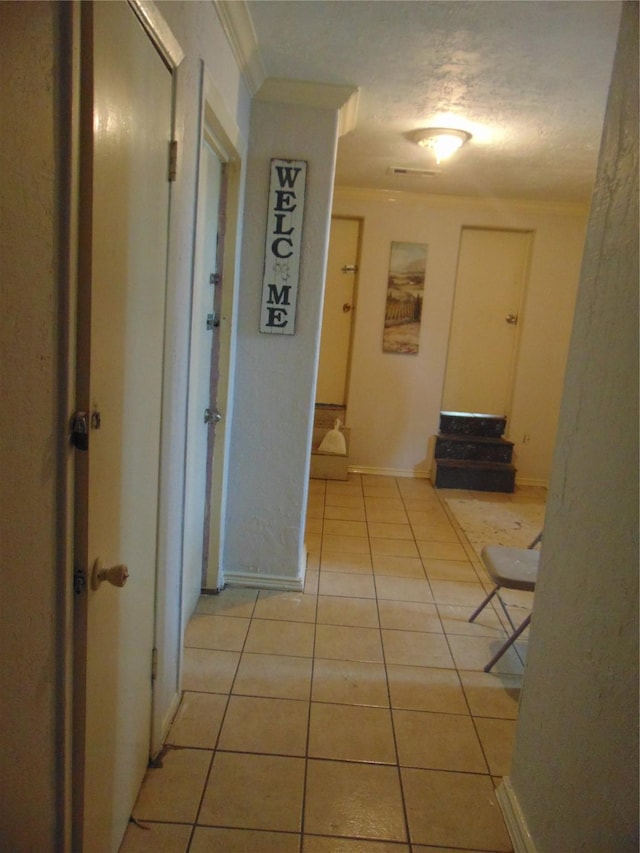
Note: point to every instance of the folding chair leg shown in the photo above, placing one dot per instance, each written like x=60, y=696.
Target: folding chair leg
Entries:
x=503, y=648
x=484, y=603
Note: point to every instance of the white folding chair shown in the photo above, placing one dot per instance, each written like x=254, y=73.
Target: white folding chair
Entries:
x=509, y=568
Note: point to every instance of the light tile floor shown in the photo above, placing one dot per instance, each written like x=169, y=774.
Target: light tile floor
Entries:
x=354, y=717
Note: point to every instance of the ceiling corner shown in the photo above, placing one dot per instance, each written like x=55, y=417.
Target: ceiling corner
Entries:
x=349, y=113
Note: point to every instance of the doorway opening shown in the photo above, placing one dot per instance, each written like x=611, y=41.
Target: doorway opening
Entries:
x=340, y=304
x=203, y=405
x=210, y=348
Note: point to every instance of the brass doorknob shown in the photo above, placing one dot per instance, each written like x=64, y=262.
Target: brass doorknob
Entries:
x=116, y=575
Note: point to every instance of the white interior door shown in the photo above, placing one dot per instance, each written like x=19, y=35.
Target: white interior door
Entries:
x=492, y=268
x=120, y=358
x=338, y=312
x=203, y=375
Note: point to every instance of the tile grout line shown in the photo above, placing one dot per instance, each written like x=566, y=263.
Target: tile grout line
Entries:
x=457, y=670
x=405, y=814
x=253, y=617
x=463, y=538
x=305, y=777
x=222, y=721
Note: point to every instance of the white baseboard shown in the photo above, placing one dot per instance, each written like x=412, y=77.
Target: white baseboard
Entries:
x=257, y=581
x=514, y=818
x=389, y=472
x=426, y=475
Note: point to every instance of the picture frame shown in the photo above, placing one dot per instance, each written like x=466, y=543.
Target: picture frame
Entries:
x=405, y=297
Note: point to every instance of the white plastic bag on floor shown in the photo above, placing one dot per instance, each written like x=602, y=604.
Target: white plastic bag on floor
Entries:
x=334, y=442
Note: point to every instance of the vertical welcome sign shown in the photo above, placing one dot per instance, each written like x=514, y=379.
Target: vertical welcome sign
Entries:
x=282, y=247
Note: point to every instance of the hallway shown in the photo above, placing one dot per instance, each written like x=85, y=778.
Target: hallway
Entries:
x=353, y=718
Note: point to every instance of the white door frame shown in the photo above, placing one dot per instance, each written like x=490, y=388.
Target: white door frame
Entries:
x=168, y=633
x=220, y=130
x=353, y=311
x=204, y=351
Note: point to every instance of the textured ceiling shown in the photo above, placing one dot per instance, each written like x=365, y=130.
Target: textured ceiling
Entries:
x=528, y=78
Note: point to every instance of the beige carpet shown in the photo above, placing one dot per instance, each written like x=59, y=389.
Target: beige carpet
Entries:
x=491, y=522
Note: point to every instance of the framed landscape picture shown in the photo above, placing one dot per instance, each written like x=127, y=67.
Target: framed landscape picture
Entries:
x=405, y=292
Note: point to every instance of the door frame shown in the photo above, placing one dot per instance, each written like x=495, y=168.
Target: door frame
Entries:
x=203, y=356
x=220, y=130
x=210, y=137
x=354, y=300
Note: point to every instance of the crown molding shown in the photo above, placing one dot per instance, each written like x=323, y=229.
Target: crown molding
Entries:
x=504, y=205
x=238, y=28
x=324, y=96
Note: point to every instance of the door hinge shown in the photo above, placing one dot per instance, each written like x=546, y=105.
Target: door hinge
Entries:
x=154, y=664
x=173, y=159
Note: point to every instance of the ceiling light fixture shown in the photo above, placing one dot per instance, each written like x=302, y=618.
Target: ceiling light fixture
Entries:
x=443, y=141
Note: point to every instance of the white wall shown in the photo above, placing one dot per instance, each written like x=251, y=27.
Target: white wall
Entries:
x=394, y=400
x=574, y=771
x=200, y=35
x=275, y=374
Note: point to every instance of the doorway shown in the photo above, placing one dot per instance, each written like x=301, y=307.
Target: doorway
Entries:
x=222, y=150
x=487, y=317
x=203, y=406
x=340, y=298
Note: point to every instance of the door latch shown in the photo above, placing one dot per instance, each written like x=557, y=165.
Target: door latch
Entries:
x=81, y=423
x=79, y=581
x=80, y=430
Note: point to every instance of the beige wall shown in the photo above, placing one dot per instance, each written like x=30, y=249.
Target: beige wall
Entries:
x=32, y=321
x=574, y=773
x=394, y=400
x=31, y=332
